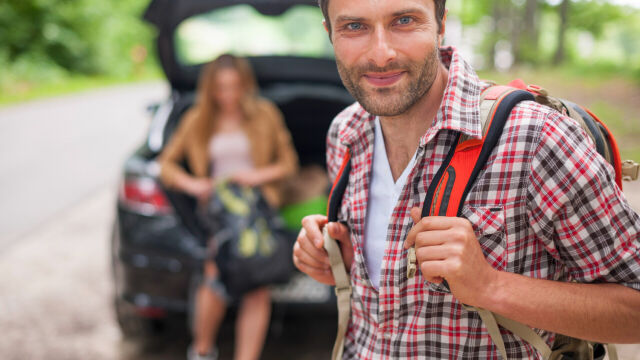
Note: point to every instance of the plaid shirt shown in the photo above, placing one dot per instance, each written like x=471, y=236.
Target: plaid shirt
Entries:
x=546, y=207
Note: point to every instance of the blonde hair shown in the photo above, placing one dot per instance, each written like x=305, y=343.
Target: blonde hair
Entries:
x=205, y=109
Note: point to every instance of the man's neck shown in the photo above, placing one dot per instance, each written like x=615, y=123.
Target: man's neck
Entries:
x=402, y=133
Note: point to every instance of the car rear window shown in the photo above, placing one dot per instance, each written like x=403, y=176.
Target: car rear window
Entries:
x=242, y=30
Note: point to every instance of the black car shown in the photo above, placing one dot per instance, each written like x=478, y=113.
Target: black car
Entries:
x=158, y=243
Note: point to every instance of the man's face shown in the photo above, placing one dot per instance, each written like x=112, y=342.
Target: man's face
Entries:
x=386, y=51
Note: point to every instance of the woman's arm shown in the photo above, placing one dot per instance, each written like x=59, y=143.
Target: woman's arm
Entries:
x=172, y=174
x=285, y=162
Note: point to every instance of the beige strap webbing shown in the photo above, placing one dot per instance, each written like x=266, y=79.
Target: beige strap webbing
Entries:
x=630, y=170
x=491, y=321
x=612, y=352
x=492, y=326
x=342, y=289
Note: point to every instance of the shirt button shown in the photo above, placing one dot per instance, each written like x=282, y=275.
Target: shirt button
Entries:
x=386, y=335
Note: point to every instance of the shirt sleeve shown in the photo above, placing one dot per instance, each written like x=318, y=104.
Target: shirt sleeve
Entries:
x=578, y=211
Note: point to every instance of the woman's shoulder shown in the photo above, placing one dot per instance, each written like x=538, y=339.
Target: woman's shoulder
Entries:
x=266, y=113
x=265, y=105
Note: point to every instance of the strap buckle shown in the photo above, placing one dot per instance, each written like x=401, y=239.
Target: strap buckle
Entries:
x=339, y=290
x=630, y=170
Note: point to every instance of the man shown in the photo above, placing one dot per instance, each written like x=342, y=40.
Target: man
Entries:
x=543, y=213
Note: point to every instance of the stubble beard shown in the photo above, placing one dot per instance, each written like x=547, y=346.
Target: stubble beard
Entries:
x=396, y=99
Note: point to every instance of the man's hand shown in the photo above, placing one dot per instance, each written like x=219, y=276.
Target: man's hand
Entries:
x=447, y=248
x=309, y=255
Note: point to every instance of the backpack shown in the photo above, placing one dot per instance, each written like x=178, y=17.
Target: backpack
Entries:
x=446, y=195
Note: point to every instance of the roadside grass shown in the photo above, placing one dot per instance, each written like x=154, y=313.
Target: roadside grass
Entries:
x=21, y=91
x=613, y=97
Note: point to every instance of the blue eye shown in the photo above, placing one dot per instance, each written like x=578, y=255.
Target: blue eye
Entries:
x=405, y=20
x=354, y=26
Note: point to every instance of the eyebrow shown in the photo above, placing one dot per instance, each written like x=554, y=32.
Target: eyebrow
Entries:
x=343, y=18
x=407, y=11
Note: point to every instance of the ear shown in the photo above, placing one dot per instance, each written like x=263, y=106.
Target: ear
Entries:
x=326, y=28
x=443, y=27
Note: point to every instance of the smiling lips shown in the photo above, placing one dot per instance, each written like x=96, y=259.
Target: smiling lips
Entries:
x=383, y=79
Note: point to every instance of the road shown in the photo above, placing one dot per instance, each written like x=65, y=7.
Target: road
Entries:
x=57, y=152
x=61, y=159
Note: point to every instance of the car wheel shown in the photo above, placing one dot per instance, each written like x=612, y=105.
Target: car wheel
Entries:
x=144, y=331
x=133, y=327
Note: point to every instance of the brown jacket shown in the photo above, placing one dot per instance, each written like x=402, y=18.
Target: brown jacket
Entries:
x=269, y=139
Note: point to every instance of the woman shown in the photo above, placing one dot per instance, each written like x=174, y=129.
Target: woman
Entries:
x=232, y=134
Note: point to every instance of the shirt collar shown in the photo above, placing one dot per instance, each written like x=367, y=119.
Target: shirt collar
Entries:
x=460, y=107
x=459, y=110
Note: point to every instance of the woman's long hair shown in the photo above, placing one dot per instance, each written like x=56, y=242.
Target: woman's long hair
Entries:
x=205, y=109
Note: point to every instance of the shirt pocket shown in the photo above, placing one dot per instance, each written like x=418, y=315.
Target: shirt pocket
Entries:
x=489, y=226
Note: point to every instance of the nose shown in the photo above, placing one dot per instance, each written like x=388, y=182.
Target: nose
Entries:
x=382, y=51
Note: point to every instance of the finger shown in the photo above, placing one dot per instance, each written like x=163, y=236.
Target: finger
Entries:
x=433, y=269
x=312, y=225
x=340, y=232
x=304, y=257
x=430, y=223
x=416, y=214
x=431, y=253
x=431, y=238
x=307, y=246
x=411, y=236
x=324, y=276
x=310, y=269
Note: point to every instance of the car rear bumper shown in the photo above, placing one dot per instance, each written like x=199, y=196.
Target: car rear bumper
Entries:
x=155, y=259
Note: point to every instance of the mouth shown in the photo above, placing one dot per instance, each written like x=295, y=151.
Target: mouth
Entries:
x=383, y=79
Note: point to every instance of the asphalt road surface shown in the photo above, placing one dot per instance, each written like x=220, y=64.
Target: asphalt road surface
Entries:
x=61, y=159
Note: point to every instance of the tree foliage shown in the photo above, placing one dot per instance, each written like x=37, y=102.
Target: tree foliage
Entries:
x=49, y=37
x=527, y=24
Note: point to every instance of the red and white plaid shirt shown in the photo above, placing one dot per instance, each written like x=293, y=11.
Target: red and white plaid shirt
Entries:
x=546, y=207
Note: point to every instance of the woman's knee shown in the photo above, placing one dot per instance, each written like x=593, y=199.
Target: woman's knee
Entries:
x=259, y=295
x=211, y=269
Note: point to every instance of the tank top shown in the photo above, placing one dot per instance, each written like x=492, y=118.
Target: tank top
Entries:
x=229, y=152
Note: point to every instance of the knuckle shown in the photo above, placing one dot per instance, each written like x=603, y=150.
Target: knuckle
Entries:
x=424, y=267
x=457, y=250
x=459, y=234
x=455, y=265
x=467, y=225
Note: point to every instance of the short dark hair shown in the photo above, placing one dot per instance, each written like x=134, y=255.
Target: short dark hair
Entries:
x=440, y=8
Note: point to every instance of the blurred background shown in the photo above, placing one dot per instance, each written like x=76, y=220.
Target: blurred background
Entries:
x=81, y=83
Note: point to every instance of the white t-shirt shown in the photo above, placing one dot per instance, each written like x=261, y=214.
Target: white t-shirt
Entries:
x=383, y=196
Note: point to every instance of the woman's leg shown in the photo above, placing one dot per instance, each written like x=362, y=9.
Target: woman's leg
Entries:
x=210, y=308
x=252, y=324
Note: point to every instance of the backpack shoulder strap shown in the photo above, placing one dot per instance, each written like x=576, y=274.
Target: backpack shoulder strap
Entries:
x=464, y=162
x=342, y=280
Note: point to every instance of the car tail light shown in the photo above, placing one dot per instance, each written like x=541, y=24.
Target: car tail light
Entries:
x=144, y=195
x=151, y=312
